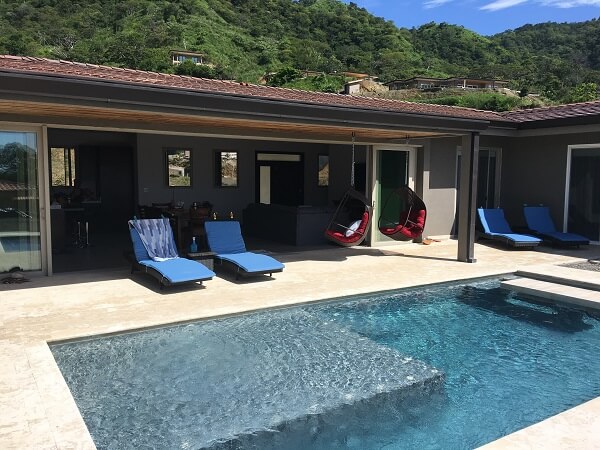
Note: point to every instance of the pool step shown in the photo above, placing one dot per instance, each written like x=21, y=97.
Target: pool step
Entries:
x=241, y=380
x=311, y=372
x=557, y=292
x=584, y=279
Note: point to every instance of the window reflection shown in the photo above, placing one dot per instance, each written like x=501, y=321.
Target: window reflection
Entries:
x=63, y=167
x=323, y=170
x=19, y=202
x=179, y=168
x=226, y=169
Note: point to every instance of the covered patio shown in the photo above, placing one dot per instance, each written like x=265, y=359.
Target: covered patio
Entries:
x=39, y=411
x=109, y=112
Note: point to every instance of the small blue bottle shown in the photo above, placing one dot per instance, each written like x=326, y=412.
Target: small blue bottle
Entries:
x=194, y=246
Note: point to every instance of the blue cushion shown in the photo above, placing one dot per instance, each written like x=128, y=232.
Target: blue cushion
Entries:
x=253, y=262
x=139, y=250
x=493, y=220
x=224, y=236
x=179, y=270
x=538, y=219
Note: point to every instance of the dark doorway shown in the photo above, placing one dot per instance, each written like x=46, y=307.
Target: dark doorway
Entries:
x=92, y=191
x=280, y=178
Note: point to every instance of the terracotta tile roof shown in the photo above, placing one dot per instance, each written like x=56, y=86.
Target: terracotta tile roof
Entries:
x=555, y=112
x=61, y=68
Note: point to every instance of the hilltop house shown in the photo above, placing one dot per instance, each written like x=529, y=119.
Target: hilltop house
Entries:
x=445, y=83
x=122, y=124
x=179, y=56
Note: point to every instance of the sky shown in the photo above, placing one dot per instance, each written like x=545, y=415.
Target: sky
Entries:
x=485, y=17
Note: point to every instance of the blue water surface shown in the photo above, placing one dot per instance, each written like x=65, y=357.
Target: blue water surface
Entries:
x=507, y=363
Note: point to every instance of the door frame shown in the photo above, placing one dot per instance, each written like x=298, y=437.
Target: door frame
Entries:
x=276, y=157
x=374, y=184
x=41, y=132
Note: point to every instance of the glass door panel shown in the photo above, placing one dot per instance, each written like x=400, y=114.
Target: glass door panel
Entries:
x=486, y=179
x=19, y=202
x=392, y=172
x=584, y=193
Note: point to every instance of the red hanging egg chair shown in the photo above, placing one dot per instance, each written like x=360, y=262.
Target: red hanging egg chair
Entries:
x=350, y=223
x=411, y=219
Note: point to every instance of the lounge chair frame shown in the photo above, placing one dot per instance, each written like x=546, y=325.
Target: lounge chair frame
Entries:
x=239, y=271
x=227, y=250
x=505, y=235
x=540, y=224
x=163, y=281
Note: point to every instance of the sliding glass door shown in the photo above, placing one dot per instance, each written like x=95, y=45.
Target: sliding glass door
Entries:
x=584, y=193
x=486, y=178
x=20, y=245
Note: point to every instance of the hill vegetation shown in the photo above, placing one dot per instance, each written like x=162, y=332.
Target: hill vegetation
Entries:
x=244, y=39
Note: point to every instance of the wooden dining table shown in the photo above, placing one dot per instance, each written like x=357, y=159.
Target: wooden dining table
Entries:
x=182, y=218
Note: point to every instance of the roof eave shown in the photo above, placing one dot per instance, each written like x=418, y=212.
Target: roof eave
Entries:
x=70, y=89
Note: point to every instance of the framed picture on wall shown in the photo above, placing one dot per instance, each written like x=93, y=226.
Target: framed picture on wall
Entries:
x=323, y=170
x=178, y=167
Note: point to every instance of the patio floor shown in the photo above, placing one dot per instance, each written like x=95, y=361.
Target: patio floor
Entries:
x=38, y=411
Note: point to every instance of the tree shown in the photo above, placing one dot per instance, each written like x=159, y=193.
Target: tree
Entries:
x=284, y=76
x=15, y=161
x=585, y=92
x=192, y=69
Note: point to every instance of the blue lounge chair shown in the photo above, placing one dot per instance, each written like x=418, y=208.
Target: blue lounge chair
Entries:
x=155, y=253
x=225, y=239
x=496, y=227
x=540, y=223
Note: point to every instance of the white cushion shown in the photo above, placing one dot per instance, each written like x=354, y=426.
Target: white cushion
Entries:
x=352, y=228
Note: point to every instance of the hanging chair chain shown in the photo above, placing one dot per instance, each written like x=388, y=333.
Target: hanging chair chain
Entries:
x=352, y=171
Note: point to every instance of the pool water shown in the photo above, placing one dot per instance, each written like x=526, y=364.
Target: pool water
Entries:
x=506, y=362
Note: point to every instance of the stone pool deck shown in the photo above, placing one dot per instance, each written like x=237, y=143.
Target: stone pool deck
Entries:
x=38, y=411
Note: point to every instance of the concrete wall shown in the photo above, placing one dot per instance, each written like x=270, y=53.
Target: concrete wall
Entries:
x=439, y=185
x=152, y=185
x=534, y=172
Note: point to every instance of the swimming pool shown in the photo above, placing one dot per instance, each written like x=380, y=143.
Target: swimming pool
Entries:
x=449, y=366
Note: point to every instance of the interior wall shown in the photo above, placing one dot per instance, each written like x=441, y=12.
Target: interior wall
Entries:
x=152, y=180
x=534, y=172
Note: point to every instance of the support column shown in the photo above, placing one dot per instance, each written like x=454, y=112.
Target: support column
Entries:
x=468, y=198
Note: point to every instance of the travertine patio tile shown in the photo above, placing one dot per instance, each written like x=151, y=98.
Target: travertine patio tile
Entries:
x=38, y=411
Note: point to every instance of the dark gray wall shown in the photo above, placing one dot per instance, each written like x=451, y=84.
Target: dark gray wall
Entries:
x=66, y=138
x=439, y=185
x=152, y=185
x=534, y=172
x=340, y=168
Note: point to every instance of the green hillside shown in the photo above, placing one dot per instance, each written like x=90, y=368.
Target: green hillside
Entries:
x=245, y=39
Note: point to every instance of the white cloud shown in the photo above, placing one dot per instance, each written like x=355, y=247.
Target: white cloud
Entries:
x=501, y=4
x=435, y=3
x=570, y=4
